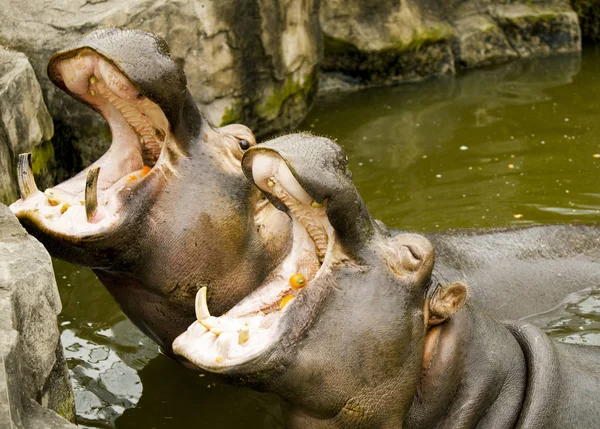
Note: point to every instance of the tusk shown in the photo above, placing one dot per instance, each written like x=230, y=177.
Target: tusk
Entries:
x=25, y=177
x=201, y=305
x=243, y=334
x=91, y=193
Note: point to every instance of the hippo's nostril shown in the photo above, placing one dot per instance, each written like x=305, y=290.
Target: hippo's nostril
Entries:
x=410, y=257
x=414, y=252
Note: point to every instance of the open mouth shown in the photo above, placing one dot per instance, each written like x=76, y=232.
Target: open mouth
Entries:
x=255, y=324
x=89, y=202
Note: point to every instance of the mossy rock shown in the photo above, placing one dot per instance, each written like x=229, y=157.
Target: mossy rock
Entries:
x=297, y=90
x=232, y=115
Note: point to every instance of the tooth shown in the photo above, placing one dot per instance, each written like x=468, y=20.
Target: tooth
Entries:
x=211, y=323
x=91, y=193
x=243, y=334
x=263, y=167
x=25, y=177
x=316, y=205
x=64, y=208
x=223, y=344
x=291, y=185
x=53, y=196
x=201, y=305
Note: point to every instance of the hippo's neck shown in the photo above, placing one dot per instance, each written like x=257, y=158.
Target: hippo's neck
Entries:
x=159, y=318
x=474, y=376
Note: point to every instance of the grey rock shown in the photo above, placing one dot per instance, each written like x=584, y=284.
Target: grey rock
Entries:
x=253, y=62
x=34, y=368
x=25, y=124
x=386, y=41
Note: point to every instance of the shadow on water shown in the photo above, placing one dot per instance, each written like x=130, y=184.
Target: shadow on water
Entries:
x=509, y=145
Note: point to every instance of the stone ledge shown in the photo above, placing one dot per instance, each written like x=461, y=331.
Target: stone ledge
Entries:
x=33, y=369
x=393, y=43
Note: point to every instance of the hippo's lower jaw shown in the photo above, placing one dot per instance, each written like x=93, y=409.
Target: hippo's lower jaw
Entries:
x=258, y=323
x=142, y=148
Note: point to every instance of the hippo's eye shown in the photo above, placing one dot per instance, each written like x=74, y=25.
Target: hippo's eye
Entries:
x=244, y=144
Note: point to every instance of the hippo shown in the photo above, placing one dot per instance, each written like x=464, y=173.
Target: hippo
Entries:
x=166, y=209
x=373, y=335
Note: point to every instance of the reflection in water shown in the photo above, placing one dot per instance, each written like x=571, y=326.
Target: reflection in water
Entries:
x=509, y=145
x=577, y=320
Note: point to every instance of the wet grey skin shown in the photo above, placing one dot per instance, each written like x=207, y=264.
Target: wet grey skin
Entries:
x=378, y=338
x=513, y=272
x=170, y=210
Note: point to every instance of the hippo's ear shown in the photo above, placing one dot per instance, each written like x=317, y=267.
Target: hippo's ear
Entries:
x=445, y=301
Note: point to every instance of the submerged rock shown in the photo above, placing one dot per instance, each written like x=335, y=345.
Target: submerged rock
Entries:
x=34, y=383
x=25, y=124
x=389, y=41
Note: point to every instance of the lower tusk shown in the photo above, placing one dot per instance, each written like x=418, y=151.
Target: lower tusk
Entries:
x=25, y=177
x=91, y=193
x=201, y=305
x=243, y=334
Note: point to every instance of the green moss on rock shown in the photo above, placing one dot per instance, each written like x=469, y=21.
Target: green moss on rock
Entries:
x=232, y=114
x=333, y=46
x=424, y=37
x=41, y=156
x=297, y=89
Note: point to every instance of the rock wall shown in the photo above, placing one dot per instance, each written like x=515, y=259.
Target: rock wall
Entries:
x=249, y=61
x=34, y=382
x=387, y=41
x=589, y=18
x=257, y=61
x=25, y=124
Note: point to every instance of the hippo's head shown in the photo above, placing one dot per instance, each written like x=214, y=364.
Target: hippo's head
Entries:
x=166, y=209
x=366, y=303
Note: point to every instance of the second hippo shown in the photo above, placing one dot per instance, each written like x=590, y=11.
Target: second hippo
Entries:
x=374, y=336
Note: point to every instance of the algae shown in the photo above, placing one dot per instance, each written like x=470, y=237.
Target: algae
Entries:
x=232, y=114
x=424, y=37
x=298, y=89
x=41, y=156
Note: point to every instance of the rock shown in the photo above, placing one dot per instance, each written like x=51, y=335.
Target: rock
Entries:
x=25, y=124
x=588, y=12
x=388, y=41
x=34, y=373
x=253, y=62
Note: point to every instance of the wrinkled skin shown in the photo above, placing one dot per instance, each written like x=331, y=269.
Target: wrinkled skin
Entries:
x=379, y=340
x=188, y=223
x=512, y=272
x=193, y=222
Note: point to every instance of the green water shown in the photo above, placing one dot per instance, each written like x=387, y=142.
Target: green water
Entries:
x=511, y=145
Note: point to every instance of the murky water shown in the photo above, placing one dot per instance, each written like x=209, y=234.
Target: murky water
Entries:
x=512, y=145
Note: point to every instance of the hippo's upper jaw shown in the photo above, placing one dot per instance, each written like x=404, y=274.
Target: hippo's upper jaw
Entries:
x=257, y=324
x=128, y=77
x=142, y=148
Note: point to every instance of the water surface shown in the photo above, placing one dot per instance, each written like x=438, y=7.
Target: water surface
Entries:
x=512, y=145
